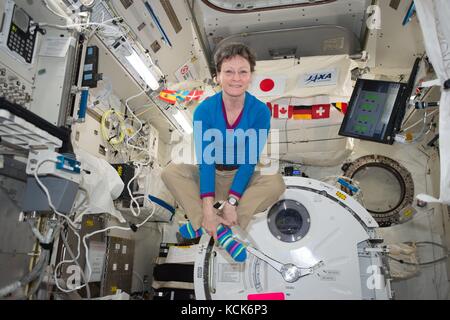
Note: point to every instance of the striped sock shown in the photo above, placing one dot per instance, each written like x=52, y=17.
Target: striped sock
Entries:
x=187, y=231
x=236, y=249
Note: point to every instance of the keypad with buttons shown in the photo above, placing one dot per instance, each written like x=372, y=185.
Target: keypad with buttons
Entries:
x=21, y=42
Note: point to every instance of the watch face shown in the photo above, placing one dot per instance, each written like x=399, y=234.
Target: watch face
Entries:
x=232, y=201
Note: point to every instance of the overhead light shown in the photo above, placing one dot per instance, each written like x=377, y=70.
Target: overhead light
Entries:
x=143, y=70
x=182, y=121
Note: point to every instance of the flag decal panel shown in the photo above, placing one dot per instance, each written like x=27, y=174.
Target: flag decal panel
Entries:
x=266, y=86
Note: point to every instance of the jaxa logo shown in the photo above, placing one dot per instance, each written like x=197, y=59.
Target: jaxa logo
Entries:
x=319, y=77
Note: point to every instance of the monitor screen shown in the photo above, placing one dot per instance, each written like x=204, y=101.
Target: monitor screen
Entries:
x=373, y=109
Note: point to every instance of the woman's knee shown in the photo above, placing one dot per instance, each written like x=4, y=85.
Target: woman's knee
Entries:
x=279, y=185
x=274, y=186
x=168, y=172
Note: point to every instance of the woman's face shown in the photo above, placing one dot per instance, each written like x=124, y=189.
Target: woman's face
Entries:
x=235, y=76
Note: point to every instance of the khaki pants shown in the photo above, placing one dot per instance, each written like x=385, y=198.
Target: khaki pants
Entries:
x=182, y=180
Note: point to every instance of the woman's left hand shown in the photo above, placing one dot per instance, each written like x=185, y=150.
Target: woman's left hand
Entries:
x=229, y=215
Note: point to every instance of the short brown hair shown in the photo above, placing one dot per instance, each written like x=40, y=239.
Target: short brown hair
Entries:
x=231, y=50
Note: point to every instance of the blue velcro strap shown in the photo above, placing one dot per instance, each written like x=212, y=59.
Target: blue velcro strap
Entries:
x=162, y=203
x=348, y=185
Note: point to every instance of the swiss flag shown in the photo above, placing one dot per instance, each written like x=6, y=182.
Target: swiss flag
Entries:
x=280, y=112
x=265, y=86
x=320, y=111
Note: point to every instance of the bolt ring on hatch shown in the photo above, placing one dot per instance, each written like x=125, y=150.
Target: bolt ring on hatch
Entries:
x=401, y=178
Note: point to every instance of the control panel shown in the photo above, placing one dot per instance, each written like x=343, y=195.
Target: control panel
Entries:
x=13, y=88
x=292, y=170
x=18, y=34
x=21, y=36
x=90, y=69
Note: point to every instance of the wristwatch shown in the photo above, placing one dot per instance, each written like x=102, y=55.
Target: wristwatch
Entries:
x=233, y=201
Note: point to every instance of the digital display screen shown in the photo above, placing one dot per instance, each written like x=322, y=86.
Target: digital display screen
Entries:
x=21, y=19
x=372, y=110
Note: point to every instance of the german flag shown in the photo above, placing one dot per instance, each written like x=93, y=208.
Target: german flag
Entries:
x=341, y=106
x=169, y=96
x=302, y=113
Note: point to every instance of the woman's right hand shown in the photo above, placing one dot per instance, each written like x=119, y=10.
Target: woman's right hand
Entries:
x=210, y=221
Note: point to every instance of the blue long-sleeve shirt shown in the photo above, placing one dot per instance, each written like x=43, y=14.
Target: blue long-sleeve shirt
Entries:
x=219, y=142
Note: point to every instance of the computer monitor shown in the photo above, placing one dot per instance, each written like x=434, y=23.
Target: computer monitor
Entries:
x=374, y=111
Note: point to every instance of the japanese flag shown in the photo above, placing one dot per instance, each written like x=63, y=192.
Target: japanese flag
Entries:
x=265, y=86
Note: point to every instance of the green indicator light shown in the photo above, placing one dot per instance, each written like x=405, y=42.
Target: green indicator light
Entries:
x=360, y=128
x=365, y=118
x=367, y=107
x=371, y=96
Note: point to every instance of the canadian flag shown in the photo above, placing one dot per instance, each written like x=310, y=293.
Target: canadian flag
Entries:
x=280, y=112
x=265, y=86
